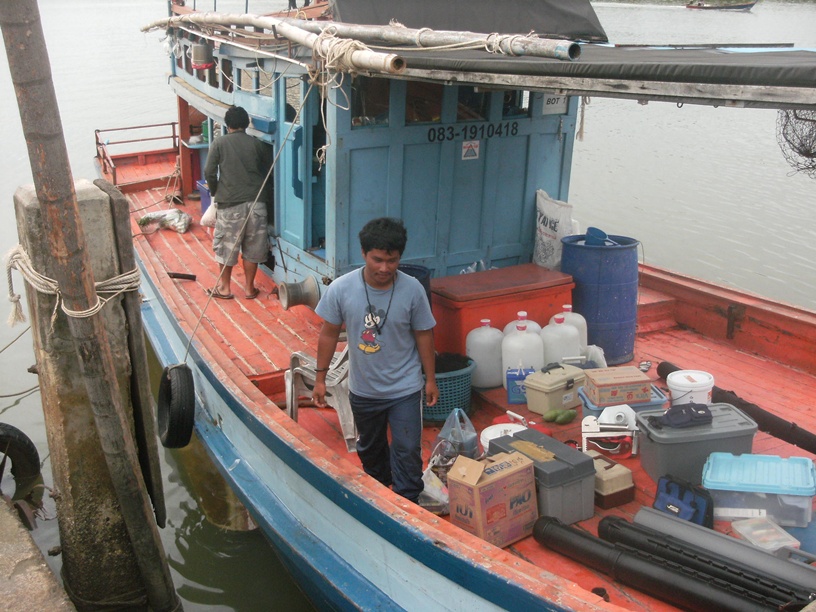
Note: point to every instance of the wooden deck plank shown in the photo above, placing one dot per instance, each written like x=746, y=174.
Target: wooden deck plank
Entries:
x=258, y=337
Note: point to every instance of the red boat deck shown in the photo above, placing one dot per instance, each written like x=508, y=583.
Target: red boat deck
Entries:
x=262, y=336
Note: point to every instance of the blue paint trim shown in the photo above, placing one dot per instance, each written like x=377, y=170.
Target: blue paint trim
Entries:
x=327, y=574
x=410, y=540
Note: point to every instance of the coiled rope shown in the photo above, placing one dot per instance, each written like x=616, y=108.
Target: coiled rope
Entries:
x=338, y=51
x=18, y=259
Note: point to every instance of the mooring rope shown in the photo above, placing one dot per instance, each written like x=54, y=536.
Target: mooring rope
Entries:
x=18, y=259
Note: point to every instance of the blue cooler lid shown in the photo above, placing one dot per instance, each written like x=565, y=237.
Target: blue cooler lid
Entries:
x=760, y=474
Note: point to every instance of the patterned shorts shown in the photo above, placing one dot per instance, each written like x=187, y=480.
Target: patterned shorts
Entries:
x=230, y=226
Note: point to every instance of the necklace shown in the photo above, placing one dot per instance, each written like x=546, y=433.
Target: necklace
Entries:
x=381, y=324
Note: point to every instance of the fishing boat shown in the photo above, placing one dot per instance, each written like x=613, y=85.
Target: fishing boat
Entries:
x=455, y=133
x=721, y=6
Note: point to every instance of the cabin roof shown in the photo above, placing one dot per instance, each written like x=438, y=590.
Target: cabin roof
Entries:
x=571, y=19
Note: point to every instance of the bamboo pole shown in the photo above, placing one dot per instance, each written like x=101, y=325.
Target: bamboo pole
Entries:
x=352, y=59
x=508, y=44
x=31, y=74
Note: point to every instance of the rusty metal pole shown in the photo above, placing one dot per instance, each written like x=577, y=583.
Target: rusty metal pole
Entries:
x=31, y=74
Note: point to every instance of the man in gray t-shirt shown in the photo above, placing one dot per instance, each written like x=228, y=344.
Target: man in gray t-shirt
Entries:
x=389, y=325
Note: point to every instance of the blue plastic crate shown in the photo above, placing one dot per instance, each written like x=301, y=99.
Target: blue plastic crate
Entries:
x=657, y=400
x=744, y=486
x=204, y=192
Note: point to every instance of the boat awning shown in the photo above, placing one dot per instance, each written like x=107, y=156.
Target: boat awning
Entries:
x=569, y=19
x=752, y=76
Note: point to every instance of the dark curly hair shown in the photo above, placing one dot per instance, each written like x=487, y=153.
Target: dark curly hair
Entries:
x=236, y=118
x=384, y=233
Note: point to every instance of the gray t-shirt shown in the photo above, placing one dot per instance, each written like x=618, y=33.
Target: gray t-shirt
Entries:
x=384, y=362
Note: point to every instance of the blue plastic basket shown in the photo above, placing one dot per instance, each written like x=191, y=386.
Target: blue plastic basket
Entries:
x=454, y=392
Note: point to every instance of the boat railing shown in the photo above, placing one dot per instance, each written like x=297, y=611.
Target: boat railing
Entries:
x=114, y=144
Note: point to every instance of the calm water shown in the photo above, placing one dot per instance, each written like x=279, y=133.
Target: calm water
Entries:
x=706, y=191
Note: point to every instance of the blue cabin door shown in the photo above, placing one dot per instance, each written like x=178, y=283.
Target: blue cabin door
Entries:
x=294, y=177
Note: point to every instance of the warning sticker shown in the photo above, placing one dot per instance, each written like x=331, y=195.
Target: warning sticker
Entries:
x=470, y=149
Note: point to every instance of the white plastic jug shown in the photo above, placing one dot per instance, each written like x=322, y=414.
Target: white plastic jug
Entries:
x=483, y=345
x=532, y=326
x=521, y=349
x=560, y=341
x=578, y=322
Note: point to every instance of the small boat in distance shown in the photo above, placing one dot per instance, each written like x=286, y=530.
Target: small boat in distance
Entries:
x=721, y=6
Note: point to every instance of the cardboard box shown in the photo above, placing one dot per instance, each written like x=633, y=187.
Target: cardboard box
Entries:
x=565, y=477
x=555, y=388
x=612, y=386
x=494, y=498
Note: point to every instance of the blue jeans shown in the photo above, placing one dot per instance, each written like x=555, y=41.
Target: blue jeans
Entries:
x=400, y=465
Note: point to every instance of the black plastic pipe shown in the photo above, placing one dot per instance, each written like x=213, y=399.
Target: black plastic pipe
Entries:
x=773, y=591
x=654, y=576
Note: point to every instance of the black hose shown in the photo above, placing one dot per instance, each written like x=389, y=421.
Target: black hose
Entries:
x=652, y=575
x=766, y=421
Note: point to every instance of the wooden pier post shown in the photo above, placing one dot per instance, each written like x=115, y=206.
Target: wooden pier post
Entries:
x=104, y=536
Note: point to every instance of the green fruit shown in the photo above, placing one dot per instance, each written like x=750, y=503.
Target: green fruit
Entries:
x=552, y=415
x=565, y=417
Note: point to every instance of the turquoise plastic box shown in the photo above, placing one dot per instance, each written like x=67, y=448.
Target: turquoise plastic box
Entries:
x=746, y=486
x=657, y=400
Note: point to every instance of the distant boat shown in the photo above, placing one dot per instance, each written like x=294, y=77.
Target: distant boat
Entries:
x=719, y=6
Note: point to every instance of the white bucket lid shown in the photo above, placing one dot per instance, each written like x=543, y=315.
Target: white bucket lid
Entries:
x=689, y=379
x=497, y=431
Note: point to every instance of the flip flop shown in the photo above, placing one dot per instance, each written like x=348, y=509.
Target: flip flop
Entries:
x=253, y=295
x=218, y=295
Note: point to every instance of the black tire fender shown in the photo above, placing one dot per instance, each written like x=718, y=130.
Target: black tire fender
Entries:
x=20, y=450
x=176, y=406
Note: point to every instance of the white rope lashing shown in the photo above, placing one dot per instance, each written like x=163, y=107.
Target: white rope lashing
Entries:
x=18, y=259
x=337, y=55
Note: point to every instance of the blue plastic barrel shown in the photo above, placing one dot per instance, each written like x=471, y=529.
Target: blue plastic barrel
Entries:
x=421, y=273
x=606, y=290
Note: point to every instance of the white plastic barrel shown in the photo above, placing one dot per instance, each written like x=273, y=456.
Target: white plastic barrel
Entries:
x=532, y=326
x=560, y=341
x=521, y=349
x=687, y=386
x=578, y=322
x=483, y=345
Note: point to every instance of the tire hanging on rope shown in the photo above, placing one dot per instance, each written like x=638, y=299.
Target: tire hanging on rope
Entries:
x=176, y=406
x=25, y=460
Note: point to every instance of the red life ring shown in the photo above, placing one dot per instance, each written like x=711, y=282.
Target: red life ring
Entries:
x=176, y=406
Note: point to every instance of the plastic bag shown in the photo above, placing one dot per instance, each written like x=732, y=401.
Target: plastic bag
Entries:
x=434, y=496
x=208, y=218
x=553, y=222
x=475, y=267
x=172, y=218
x=457, y=437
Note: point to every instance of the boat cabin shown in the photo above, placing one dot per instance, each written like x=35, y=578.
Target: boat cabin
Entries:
x=459, y=164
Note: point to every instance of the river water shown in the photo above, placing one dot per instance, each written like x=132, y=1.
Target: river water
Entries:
x=706, y=191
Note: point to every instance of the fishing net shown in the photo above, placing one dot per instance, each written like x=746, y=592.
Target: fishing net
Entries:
x=796, y=134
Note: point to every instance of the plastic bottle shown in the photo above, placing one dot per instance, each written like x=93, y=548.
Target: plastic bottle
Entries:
x=521, y=349
x=560, y=341
x=578, y=322
x=483, y=345
x=532, y=326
